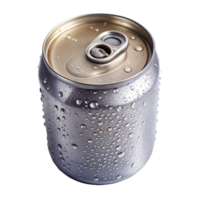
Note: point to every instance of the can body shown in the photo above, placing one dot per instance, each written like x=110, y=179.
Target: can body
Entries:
x=100, y=136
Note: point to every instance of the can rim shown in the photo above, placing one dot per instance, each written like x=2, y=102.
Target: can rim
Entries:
x=108, y=86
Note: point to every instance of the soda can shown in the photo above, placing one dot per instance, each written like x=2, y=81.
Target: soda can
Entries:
x=99, y=79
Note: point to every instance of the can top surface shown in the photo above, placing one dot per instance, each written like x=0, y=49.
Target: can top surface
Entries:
x=98, y=50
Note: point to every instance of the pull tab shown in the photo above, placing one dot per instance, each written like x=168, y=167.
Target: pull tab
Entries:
x=107, y=46
x=98, y=53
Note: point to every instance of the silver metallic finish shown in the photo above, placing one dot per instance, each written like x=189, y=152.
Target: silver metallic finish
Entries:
x=100, y=134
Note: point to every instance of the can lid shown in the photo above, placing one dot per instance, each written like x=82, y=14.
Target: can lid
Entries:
x=98, y=49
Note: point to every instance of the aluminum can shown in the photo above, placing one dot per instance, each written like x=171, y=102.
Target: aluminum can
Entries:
x=99, y=80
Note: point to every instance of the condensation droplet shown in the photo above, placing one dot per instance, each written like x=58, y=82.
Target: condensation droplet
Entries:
x=125, y=99
x=68, y=36
x=118, y=108
x=133, y=165
x=74, y=40
x=91, y=27
x=60, y=94
x=78, y=101
x=59, y=147
x=74, y=146
x=100, y=123
x=95, y=67
x=127, y=124
x=96, y=29
x=130, y=135
x=118, y=147
x=89, y=141
x=110, y=129
x=127, y=69
x=78, y=67
x=93, y=104
x=58, y=119
x=45, y=80
x=132, y=87
x=133, y=105
x=96, y=179
x=82, y=125
x=62, y=110
x=56, y=107
x=115, y=90
x=132, y=37
x=138, y=48
x=119, y=176
x=120, y=155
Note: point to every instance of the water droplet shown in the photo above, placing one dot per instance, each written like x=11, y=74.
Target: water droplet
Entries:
x=133, y=105
x=74, y=146
x=91, y=27
x=119, y=176
x=118, y=147
x=120, y=155
x=82, y=125
x=62, y=110
x=78, y=101
x=57, y=56
x=132, y=87
x=68, y=36
x=58, y=119
x=96, y=29
x=127, y=69
x=138, y=48
x=144, y=103
x=131, y=135
x=100, y=123
x=118, y=108
x=56, y=107
x=74, y=40
x=110, y=129
x=95, y=67
x=133, y=165
x=132, y=37
x=115, y=90
x=127, y=124
x=78, y=67
x=72, y=65
x=125, y=99
x=60, y=94
x=59, y=147
x=93, y=104
x=104, y=23
x=89, y=141
x=156, y=65
x=96, y=179
x=45, y=80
